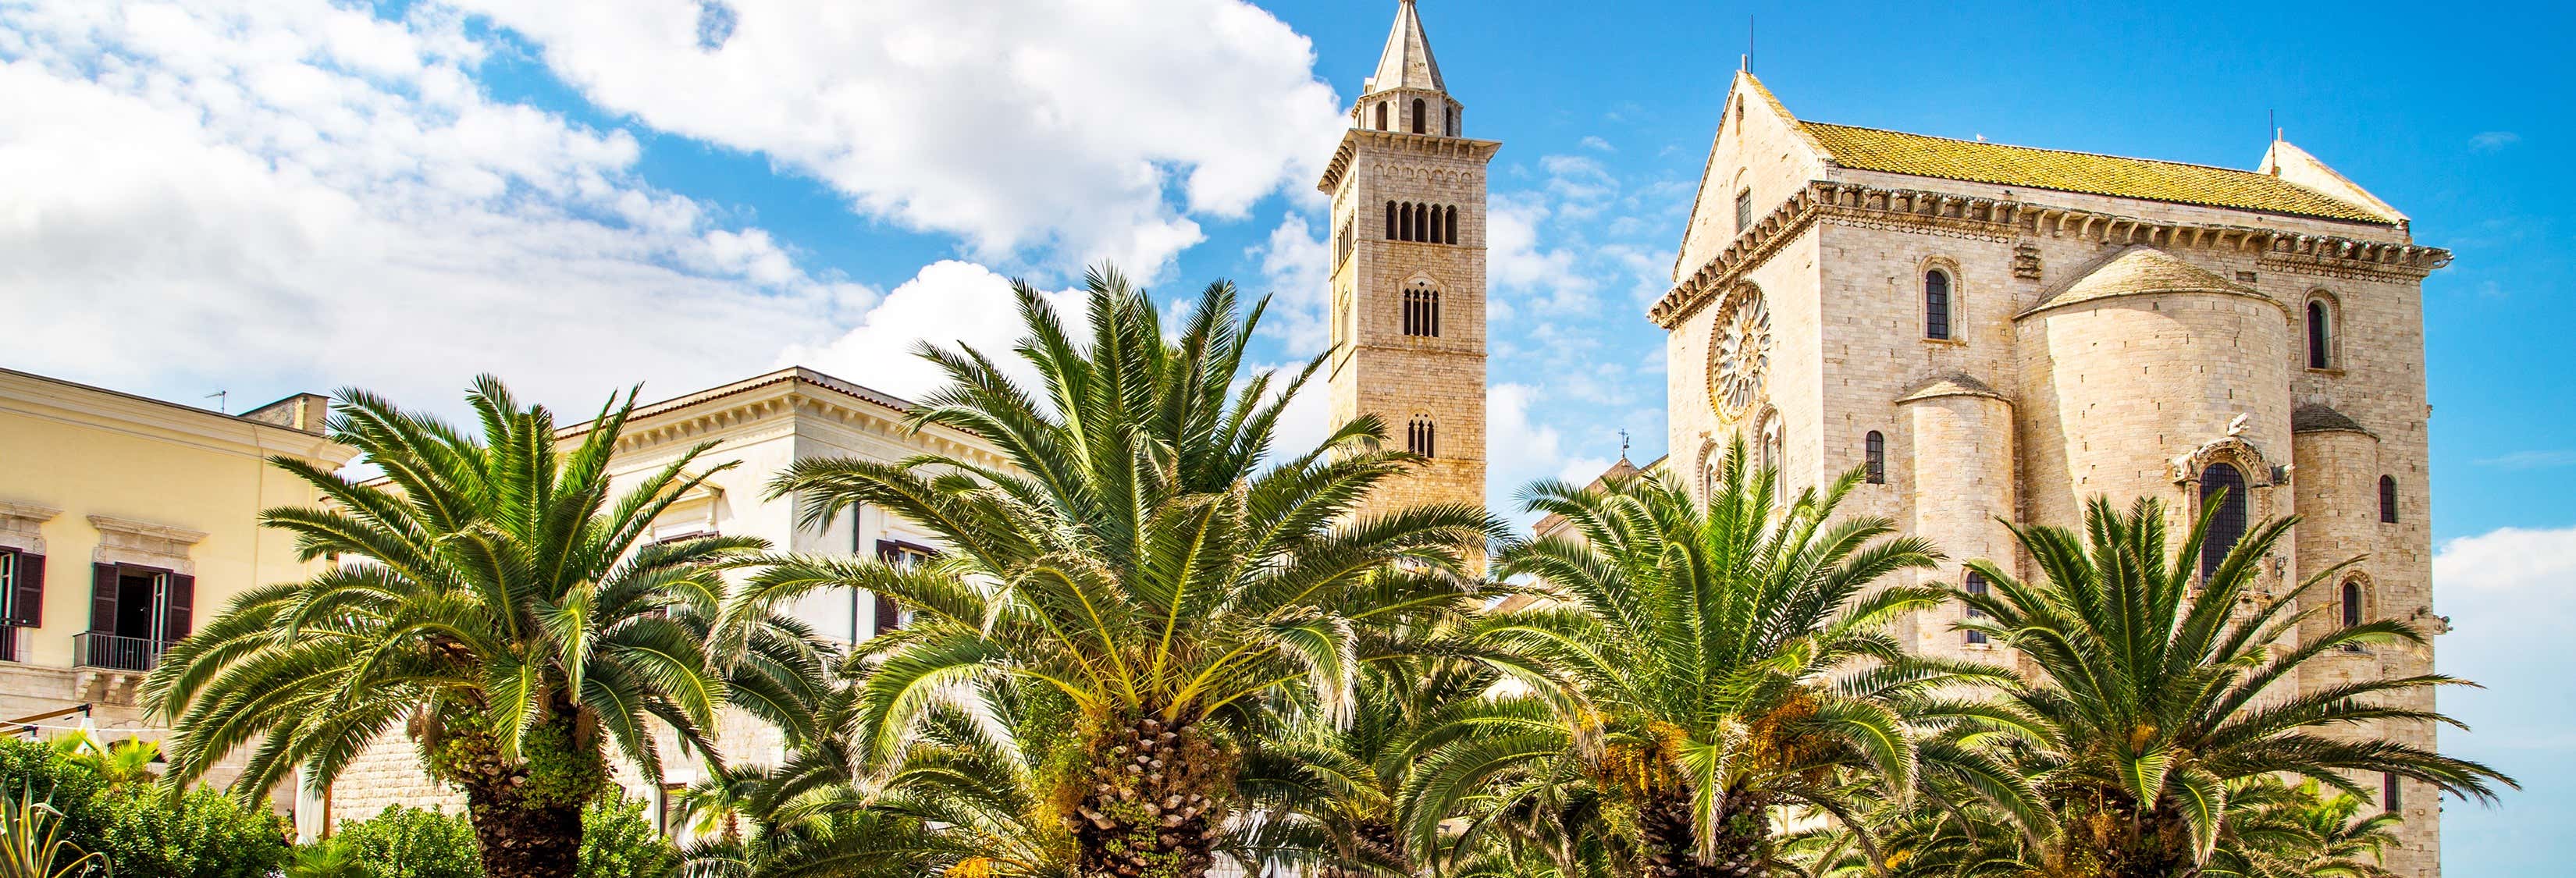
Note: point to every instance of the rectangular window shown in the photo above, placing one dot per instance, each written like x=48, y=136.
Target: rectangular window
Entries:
x=135, y=613
x=1976, y=586
x=1743, y=211
x=2390, y=792
x=889, y=615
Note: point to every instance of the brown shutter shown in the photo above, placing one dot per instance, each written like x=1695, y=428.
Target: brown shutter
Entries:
x=177, y=612
x=27, y=593
x=888, y=618
x=102, y=598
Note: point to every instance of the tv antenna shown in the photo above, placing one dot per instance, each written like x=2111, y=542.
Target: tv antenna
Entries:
x=222, y=399
x=1623, y=443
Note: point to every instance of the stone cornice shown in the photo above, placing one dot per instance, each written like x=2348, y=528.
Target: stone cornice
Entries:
x=1941, y=213
x=147, y=530
x=1420, y=144
x=67, y=402
x=730, y=412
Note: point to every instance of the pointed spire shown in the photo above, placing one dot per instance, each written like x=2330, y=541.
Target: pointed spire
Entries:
x=1407, y=62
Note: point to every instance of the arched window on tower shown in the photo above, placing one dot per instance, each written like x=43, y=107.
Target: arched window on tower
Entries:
x=1976, y=586
x=2221, y=484
x=2388, y=499
x=1422, y=310
x=1453, y=225
x=1410, y=213
x=1874, y=457
x=1421, y=437
x=1381, y=115
x=1936, y=304
x=1422, y=222
x=1421, y=113
x=1453, y=121
x=2320, y=335
x=1390, y=221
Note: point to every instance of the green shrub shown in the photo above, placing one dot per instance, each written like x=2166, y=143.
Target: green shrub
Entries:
x=71, y=789
x=198, y=834
x=618, y=841
x=408, y=842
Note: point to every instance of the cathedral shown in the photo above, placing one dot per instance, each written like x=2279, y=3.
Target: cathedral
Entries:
x=1988, y=332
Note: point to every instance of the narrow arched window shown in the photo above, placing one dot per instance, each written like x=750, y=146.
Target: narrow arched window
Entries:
x=2388, y=792
x=1420, y=115
x=2351, y=602
x=1874, y=457
x=1976, y=586
x=1391, y=225
x=1412, y=222
x=1422, y=222
x=1453, y=121
x=1381, y=115
x=1743, y=211
x=2388, y=499
x=2320, y=338
x=1453, y=225
x=2223, y=485
x=1936, y=304
x=1434, y=237
x=1422, y=310
x=1421, y=437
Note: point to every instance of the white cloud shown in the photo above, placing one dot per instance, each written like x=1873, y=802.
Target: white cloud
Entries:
x=1062, y=126
x=273, y=194
x=1294, y=267
x=2490, y=141
x=2508, y=559
x=951, y=304
x=1594, y=141
x=1521, y=263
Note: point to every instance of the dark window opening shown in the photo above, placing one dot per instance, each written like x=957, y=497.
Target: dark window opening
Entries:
x=889, y=615
x=1976, y=586
x=1743, y=211
x=2388, y=499
x=1390, y=221
x=1420, y=116
x=1936, y=305
x=1453, y=225
x=1421, y=437
x=1874, y=457
x=2320, y=350
x=2221, y=484
x=1381, y=115
x=2351, y=604
x=2390, y=792
x=1422, y=312
x=1453, y=121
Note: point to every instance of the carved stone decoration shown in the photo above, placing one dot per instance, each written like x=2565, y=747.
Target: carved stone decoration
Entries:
x=22, y=525
x=126, y=541
x=2025, y=261
x=1739, y=357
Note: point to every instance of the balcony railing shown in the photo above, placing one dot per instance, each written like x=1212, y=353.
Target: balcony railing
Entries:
x=99, y=650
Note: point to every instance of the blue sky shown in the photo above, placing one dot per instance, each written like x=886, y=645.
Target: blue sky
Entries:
x=264, y=198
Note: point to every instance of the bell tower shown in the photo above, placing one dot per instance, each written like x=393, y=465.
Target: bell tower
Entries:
x=1408, y=276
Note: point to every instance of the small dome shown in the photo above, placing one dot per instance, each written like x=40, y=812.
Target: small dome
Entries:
x=1953, y=384
x=2314, y=418
x=2138, y=271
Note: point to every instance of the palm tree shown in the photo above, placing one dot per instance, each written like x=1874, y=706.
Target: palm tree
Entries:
x=1137, y=557
x=498, y=599
x=2159, y=691
x=1719, y=662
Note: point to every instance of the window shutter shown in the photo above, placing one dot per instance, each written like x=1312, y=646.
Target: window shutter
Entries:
x=27, y=593
x=176, y=612
x=102, y=598
x=888, y=618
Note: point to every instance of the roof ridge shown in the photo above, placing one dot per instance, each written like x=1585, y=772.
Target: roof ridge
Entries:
x=2105, y=155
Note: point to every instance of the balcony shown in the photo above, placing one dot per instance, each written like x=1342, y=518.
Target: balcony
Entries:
x=92, y=649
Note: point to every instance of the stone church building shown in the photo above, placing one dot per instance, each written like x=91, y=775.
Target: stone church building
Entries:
x=1987, y=331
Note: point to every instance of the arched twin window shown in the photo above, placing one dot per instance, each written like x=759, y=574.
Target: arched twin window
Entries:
x=1422, y=310
x=1874, y=458
x=1421, y=437
x=1976, y=586
x=1421, y=118
x=2388, y=499
x=1427, y=223
x=2224, y=485
x=2320, y=335
x=1936, y=305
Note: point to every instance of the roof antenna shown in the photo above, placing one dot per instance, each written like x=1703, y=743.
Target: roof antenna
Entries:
x=1748, y=44
x=1623, y=443
x=222, y=398
x=2272, y=120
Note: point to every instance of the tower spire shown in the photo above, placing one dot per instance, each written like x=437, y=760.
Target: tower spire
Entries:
x=1407, y=62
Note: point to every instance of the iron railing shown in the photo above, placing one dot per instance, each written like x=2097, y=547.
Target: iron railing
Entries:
x=101, y=650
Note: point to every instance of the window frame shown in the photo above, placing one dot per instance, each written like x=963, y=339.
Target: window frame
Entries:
x=2236, y=508
x=2321, y=329
x=1873, y=452
x=2388, y=500
x=1940, y=322
x=1975, y=583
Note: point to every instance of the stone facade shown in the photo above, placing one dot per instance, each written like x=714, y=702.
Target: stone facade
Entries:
x=1408, y=277
x=2095, y=341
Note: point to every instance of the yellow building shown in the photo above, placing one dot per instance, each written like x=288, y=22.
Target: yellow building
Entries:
x=125, y=523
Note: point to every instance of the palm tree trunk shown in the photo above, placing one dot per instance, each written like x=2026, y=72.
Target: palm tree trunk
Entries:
x=1672, y=849
x=520, y=839
x=1152, y=810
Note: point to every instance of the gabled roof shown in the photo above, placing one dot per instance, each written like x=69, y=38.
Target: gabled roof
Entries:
x=1896, y=152
x=1407, y=62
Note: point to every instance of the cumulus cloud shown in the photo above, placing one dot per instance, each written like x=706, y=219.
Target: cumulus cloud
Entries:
x=952, y=304
x=2508, y=559
x=272, y=194
x=1294, y=272
x=1527, y=268
x=2505, y=593
x=1096, y=131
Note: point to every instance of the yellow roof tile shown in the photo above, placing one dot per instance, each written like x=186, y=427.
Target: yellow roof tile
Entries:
x=1896, y=152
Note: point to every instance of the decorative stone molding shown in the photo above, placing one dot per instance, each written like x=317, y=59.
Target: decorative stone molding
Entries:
x=127, y=541
x=1422, y=144
x=22, y=525
x=2025, y=261
x=2006, y=219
